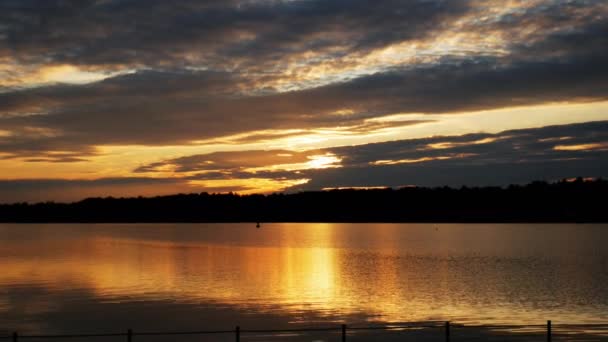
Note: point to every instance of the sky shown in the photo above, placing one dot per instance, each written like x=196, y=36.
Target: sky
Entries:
x=130, y=98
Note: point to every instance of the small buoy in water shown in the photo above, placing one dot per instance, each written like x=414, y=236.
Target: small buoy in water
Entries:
x=257, y=225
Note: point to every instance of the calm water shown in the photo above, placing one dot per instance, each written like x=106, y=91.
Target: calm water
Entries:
x=83, y=278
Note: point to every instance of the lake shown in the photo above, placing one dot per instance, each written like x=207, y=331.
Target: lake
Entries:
x=74, y=278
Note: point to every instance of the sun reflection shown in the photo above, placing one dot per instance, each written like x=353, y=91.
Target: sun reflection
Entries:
x=331, y=269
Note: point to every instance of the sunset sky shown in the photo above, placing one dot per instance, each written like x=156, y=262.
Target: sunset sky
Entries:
x=127, y=98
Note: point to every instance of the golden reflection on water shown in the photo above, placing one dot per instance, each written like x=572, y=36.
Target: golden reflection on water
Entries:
x=389, y=275
x=184, y=271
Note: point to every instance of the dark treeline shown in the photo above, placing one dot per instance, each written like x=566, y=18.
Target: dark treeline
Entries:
x=575, y=201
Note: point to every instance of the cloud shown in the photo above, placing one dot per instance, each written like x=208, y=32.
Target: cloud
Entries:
x=81, y=78
x=157, y=33
x=154, y=108
x=228, y=161
x=69, y=190
x=507, y=146
x=263, y=165
x=206, y=71
x=515, y=156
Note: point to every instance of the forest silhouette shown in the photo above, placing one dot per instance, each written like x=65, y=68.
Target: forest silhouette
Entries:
x=564, y=201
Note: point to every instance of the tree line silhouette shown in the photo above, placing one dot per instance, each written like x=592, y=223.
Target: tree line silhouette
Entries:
x=563, y=201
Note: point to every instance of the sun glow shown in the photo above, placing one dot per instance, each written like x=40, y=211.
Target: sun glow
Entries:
x=446, y=145
x=408, y=161
x=317, y=161
x=13, y=74
x=323, y=161
x=582, y=147
x=421, y=160
x=246, y=185
x=71, y=74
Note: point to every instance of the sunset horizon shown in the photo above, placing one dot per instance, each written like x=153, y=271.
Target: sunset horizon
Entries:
x=121, y=98
x=304, y=170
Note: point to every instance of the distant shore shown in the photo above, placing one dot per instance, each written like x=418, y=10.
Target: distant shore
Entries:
x=538, y=202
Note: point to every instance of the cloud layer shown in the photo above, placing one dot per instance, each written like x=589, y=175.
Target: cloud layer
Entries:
x=199, y=71
x=80, y=77
x=517, y=156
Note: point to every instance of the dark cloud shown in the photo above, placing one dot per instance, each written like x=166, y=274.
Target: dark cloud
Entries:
x=185, y=108
x=516, y=156
x=557, y=53
x=506, y=147
x=56, y=159
x=155, y=108
x=222, y=165
x=69, y=190
x=456, y=174
x=158, y=32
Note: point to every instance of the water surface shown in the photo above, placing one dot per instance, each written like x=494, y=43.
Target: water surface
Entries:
x=94, y=277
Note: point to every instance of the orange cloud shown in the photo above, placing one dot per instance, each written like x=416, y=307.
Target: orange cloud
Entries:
x=582, y=147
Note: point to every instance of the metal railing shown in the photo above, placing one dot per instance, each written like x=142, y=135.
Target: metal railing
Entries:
x=447, y=327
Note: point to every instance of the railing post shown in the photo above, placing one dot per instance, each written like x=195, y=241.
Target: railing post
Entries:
x=549, y=331
x=15, y=337
x=237, y=331
x=447, y=331
x=343, y=332
x=129, y=335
